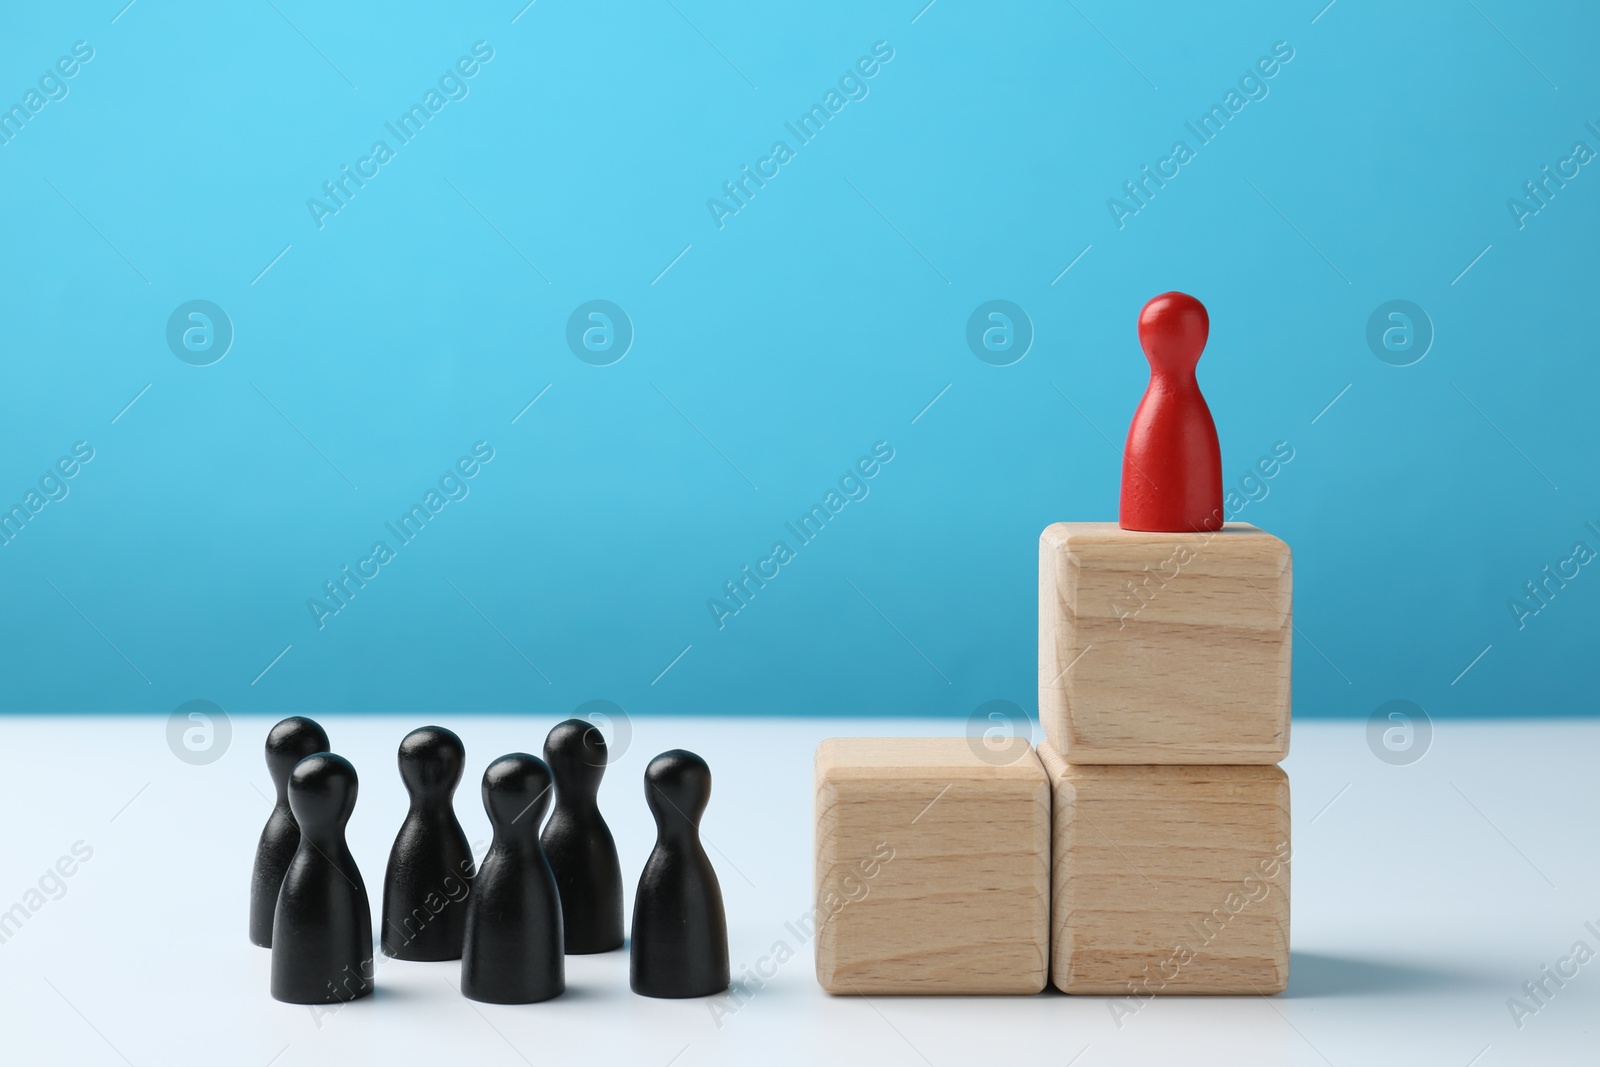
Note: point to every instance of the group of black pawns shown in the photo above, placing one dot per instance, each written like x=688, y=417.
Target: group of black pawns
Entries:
x=537, y=897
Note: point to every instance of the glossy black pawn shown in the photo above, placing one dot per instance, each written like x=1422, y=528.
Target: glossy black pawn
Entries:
x=430, y=870
x=680, y=931
x=578, y=843
x=322, y=932
x=513, y=950
x=289, y=742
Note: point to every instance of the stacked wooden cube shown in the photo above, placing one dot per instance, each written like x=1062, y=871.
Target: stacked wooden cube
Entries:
x=1143, y=849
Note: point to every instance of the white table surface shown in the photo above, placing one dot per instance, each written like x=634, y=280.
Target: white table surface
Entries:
x=1424, y=897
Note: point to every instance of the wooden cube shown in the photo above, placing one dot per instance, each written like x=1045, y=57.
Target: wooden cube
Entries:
x=1164, y=647
x=1169, y=879
x=932, y=866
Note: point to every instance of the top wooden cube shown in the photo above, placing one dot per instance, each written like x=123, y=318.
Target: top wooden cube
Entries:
x=1164, y=647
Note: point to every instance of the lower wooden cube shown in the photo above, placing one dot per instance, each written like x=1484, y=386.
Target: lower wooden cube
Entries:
x=1169, y=879
x=932, y=866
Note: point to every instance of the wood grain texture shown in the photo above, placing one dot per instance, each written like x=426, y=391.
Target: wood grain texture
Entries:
x=1169, y=879
x=1164, y=648
x=932, y=866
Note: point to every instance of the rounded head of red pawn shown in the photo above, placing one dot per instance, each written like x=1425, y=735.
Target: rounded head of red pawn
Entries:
x=1172, y=331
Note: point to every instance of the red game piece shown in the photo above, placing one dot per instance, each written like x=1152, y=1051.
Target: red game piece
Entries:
x=1172, y=466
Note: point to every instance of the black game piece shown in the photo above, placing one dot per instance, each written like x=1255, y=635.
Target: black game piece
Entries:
x=680, y=932
x=322, y=931
x=430, y=868
x=513, y=949
x=578, y=843
x=288, y=743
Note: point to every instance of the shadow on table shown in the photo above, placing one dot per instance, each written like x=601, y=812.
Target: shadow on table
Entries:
x=1312, y=974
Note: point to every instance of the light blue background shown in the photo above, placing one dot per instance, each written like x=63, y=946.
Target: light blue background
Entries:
x=775, y=351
